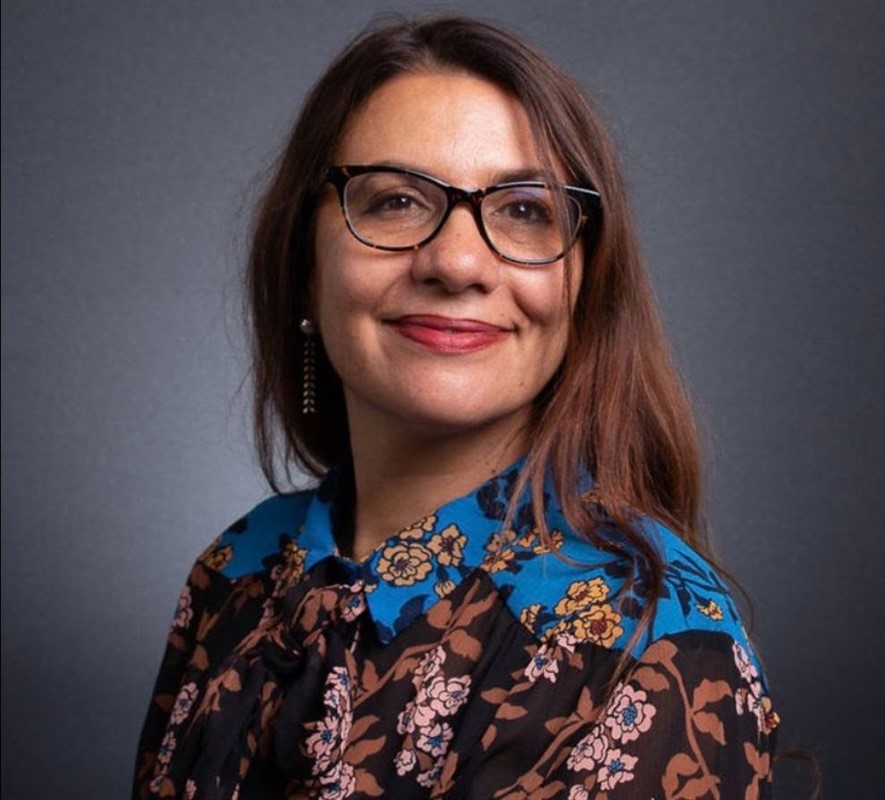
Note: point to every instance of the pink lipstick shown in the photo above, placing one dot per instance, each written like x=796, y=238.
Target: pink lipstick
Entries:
x=447, y=335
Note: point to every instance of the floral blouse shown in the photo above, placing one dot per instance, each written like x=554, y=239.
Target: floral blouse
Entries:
x=456, y=661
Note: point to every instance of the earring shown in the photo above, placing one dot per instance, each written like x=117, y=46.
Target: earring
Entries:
x=308, y=368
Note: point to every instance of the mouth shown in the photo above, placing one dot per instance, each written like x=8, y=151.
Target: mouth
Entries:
x=447, y=334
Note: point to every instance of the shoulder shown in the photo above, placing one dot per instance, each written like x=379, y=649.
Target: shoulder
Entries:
x=249, y=545
x=596, y=595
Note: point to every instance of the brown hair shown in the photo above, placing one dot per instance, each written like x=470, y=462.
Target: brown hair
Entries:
x=615, y=406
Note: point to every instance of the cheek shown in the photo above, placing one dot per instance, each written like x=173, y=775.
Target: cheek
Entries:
x=545, y=301
x=340, y=284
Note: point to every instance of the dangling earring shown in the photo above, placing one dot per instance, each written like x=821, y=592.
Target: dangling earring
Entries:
x=308, y=368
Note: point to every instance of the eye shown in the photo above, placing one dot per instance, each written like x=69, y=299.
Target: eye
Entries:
x=525, y=206
x=528, y=211
x=394, y=201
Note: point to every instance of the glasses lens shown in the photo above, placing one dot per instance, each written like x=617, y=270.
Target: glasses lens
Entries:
x=390, y=209
x=530, y=223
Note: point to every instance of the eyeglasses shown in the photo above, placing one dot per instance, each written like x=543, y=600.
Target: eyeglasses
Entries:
x=527, y=222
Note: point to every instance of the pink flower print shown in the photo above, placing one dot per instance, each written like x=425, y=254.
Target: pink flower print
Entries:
x=337, y=695
x=542, y=665
x=338, y=784
x=566, y=641
x=430, y=665
x=618, y=768
x=355, y=604
x=184, y=613
x=745, y=666
x=629, y=713
x=427, y=779
x=405, y=761
x=424, y=714
x=435, y=738
x=323, y=745
x=447, y=696
x=183, y=703
x=405, y=722
x=578, y=793
x=167, y=748
x=589, y=752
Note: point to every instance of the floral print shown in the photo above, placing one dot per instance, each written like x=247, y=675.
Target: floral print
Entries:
x=448, y=545
x=580, y=594
x=456, y=660
x=404, y=564
x=711, y=609
x=598, y=624
x=628, y=714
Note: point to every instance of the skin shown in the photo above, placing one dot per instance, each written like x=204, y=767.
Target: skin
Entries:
x=427, y=425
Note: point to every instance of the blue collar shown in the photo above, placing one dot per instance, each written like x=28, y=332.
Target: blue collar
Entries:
x=413, y=569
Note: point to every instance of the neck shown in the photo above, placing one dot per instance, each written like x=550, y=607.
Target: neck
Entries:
x=402, y=475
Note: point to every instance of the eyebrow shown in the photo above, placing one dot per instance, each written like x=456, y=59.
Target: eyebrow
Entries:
x=502, y=176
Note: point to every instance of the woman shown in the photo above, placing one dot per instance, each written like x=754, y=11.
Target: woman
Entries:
x=500, y=587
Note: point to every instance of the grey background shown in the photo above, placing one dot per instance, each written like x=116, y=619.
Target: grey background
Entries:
x=132, y=141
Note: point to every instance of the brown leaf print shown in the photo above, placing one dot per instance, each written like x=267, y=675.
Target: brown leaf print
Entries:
x=366, y=784
x=230, y=680
x=200, y=659
x=358, y=752
x=681, y=765
x=510, y=711
x=708, y=692
x=699, y=787
x=708, y=722
x=361, y=726
x=494, y=696
x=661, y=652
x=651, y=680
x=464, y=645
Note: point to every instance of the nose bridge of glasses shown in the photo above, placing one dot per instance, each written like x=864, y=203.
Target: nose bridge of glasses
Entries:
x=472, y=198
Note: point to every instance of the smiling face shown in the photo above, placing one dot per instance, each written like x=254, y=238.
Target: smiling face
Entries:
x=448, y=338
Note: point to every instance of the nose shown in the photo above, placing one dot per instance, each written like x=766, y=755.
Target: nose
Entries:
x=458, y=258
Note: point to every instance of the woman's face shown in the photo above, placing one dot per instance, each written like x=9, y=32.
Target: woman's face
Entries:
x=449, y=338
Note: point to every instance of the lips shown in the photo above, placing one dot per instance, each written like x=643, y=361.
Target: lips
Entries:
x=447, y=334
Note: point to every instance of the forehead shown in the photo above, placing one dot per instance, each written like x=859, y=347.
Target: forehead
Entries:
x=457, y=126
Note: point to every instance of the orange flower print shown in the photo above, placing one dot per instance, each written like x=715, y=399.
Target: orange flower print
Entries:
x=529, y=615
x=711, y=609
x=444, y=588
x=217, y=558
x=417, y=529
x=528, y=539
x=554, y=541
x=580, y=594
x=448, y=545
x=294, y=557
x=599, y=624
x=404, y=564
x=500, y=554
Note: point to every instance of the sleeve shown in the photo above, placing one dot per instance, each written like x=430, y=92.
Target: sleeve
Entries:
x=199, y=608
x=691, y=719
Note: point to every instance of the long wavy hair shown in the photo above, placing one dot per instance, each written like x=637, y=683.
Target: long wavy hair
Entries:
x=615, y=406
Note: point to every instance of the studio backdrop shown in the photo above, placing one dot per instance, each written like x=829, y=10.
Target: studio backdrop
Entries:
x=135, y=139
